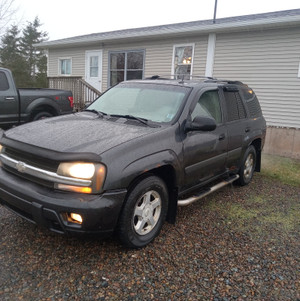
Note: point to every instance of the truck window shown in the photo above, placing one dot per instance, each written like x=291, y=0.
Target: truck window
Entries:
x=234, y=106
x=252, y=103
x=208, y=105
x=3, y=82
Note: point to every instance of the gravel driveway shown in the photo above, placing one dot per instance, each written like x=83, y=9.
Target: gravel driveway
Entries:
x=237, y=244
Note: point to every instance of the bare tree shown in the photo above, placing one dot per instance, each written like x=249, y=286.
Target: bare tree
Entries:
x=7, y=14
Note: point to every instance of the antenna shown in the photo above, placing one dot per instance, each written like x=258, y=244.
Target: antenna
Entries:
x=215, y=11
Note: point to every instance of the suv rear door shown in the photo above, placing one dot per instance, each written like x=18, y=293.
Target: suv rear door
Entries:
x=205, y=153
x=237, y=125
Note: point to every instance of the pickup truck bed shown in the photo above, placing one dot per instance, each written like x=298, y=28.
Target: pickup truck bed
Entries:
x=23, y=105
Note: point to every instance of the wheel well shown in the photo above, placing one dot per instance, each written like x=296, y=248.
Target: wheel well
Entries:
x=257, y=144
x=168, y=175
x=43, y=108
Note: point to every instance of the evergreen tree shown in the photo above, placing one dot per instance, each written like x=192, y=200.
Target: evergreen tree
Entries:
x=41, y=76
x=11, y=57
x=34, y=57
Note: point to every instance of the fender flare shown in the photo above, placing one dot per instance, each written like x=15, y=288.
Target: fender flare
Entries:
x=39, y=102
x=149, y=163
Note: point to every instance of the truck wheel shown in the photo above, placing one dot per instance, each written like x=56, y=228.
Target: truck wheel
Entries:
x=144, y=213
x=42, y=115
x=248, y=166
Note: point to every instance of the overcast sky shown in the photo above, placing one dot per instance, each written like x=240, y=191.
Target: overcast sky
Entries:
x=68, y=18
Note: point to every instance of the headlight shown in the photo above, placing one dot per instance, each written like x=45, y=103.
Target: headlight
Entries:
x=94, y=172
x=77, y=170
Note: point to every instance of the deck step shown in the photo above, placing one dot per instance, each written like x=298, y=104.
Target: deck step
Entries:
x=206, y=192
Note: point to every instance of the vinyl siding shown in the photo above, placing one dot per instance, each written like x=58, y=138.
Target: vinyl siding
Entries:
x=76, y=54
x=268, y=62
x=159, y=55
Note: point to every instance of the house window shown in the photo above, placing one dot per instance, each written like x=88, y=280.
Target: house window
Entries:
x=183, y=61
x=126, y=65
x=94, y=66
x=65, y=66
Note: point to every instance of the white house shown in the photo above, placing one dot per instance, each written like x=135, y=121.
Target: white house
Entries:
x=261, y=50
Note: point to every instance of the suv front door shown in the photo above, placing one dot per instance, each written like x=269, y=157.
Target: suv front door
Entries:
x=9, y=106
x=205, y=153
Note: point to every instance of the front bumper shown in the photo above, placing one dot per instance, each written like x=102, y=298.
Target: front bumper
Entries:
x=49, y=208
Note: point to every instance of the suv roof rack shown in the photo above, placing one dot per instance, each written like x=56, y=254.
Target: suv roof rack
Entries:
x=206, y=79
x=157, y=77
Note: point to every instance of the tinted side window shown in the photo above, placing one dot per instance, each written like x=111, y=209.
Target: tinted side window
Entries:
x=234, y=106
x=3, y=82
x=208, y=105
x=252, y=103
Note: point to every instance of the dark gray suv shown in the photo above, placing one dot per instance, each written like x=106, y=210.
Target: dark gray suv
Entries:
x=137, y=152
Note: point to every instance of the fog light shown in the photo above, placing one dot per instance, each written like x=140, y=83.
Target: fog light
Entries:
x=75, y=218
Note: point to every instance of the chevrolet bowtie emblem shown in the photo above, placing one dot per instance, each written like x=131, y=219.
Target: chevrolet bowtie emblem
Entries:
x=21, y=167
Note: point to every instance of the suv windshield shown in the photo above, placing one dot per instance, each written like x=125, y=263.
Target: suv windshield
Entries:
x=158, y=103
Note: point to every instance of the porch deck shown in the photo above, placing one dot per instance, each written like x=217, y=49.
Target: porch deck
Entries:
x=83, y=92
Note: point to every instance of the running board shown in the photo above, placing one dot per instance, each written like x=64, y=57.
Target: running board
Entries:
x=210, y=190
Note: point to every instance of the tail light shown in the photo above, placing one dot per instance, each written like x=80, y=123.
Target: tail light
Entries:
x=71, y=100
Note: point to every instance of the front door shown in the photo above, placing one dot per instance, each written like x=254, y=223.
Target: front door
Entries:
x=9, y=101
x=205, y=153
x=93, y=68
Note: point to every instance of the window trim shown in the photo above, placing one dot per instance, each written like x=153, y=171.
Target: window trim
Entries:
x=173, y=58
x=125, y=67
x=59, y=65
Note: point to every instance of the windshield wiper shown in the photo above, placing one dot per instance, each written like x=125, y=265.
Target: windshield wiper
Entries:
x=141, y=120
x=99, y=113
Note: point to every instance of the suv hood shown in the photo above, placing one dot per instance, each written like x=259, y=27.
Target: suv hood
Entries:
x=79, y=132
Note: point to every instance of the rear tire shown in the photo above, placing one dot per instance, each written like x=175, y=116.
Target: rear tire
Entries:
x=248, y=166
x=42, y=115
x=144, y=213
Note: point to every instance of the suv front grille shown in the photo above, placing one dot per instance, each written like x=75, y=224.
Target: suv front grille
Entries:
x=36, y=170
x=30, y=159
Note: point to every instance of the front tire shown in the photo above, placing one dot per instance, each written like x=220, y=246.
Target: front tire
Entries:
x=248, y=166
x=144, y=213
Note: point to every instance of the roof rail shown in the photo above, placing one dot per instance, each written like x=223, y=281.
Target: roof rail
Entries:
x=206, y=79
x=157, y=77
x=230, y=82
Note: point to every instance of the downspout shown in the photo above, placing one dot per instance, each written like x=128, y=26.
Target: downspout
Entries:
x=210, y=55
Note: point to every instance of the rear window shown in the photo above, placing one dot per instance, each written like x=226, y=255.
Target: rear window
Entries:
x=234, y=106
x=3, y=82
x=252, y=103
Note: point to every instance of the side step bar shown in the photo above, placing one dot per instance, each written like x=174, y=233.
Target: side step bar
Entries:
x=210, y=190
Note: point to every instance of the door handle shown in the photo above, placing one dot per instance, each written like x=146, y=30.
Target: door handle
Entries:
x=9, y=98
x=222, y=137
x=247, y=129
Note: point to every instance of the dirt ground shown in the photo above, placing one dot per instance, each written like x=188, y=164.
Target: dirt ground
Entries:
x=240, y=243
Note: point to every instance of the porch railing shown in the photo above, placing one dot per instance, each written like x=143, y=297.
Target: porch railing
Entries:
x=83, y=92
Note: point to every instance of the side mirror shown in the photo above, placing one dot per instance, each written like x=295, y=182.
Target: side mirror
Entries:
x=201, y=124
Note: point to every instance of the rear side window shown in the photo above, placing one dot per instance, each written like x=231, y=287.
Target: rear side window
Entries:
x=252, y=103
x=3, y=82
x=234, y=106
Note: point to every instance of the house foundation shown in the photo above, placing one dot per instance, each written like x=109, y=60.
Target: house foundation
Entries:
x=283, y=142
